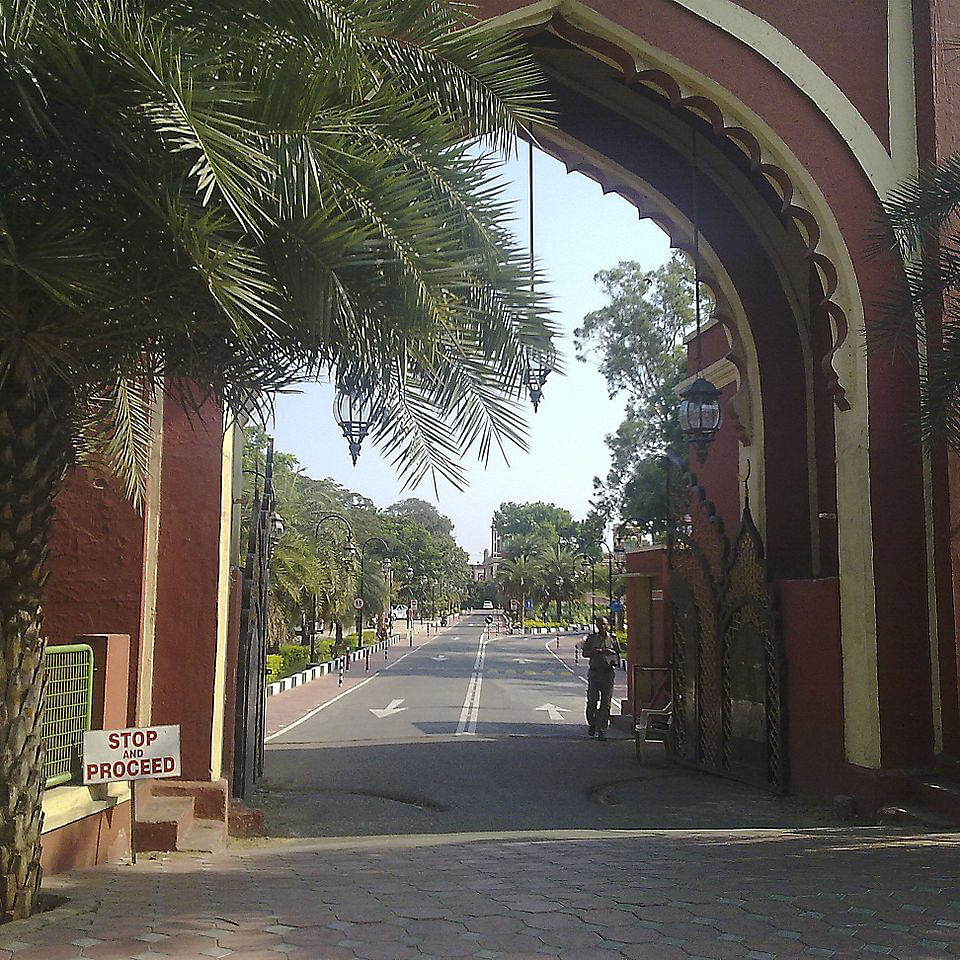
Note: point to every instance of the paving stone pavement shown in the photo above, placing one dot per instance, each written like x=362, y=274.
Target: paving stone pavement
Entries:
x=587, y=895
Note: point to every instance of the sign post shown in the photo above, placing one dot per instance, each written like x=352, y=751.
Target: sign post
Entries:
x=134, y=753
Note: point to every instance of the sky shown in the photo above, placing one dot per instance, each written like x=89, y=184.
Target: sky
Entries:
x=578, y=231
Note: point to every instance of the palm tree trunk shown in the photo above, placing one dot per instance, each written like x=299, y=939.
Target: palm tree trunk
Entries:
x=34, y=451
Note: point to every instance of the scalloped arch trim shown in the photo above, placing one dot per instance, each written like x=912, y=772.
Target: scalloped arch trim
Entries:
x=793, y=210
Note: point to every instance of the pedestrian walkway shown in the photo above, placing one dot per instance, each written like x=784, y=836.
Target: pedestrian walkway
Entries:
x=640, y=895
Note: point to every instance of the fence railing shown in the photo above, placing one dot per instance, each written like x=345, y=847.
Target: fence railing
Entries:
x=68, y=701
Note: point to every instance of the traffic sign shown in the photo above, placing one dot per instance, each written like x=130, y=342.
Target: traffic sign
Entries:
x=529, y=605
x=358, y=603
x=413, y=604
x=514, y=604
x=131, y=754
x=616, y=606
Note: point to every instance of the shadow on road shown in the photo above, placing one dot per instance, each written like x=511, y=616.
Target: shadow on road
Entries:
x=504, y=783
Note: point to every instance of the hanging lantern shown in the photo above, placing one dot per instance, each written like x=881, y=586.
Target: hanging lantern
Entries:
x=700, y=415
x=699, y=412
x=356, y=409
x=538, y=369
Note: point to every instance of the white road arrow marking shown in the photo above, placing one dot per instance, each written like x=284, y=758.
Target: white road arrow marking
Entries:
x=388, y=711
x=553, y=711
x=441, y=657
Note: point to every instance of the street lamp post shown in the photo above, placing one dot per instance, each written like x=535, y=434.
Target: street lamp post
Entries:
x=585, y=562
x=363, y=549
x=347, y=552
x=603, y=543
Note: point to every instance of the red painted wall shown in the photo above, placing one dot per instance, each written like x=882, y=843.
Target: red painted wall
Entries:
x=96, y=566
x=848, y=41
x=102, y=838
x=810, y=623
x=187, y=576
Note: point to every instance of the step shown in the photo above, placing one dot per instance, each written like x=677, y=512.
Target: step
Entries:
x=938, y=795
x=204, y=836
x=244, y=821
x=161, y=821
x=913, y=815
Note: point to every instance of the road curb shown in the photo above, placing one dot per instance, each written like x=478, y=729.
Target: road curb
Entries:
x=324, y=669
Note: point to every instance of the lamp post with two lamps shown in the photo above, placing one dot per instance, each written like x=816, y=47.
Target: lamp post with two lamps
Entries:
x=348, y=553
x=360, y=598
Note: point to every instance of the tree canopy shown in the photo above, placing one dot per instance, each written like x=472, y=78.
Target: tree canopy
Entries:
x=637, y=342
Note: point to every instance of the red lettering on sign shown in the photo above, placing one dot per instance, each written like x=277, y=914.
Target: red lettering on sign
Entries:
x=168, y=764
x=91, y=771
x=104, y=771
x=114, y=741
x=119, y=769
x=132, y=770
x=151, y=736
x=138, y=738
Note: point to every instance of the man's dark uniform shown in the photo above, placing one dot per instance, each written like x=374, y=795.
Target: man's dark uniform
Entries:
x=601, y=651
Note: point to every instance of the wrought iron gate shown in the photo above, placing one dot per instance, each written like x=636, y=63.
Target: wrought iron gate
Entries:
x=729, y=715
x=251, y=697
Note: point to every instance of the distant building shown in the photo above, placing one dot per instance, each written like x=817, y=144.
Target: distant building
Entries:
x=486, y=570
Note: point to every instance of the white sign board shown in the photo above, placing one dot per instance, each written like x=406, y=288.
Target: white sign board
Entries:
x=358, y=603
x=135, y=753
x=413, y=604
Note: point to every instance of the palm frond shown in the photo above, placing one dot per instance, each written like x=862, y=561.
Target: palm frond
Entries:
x=115, y=432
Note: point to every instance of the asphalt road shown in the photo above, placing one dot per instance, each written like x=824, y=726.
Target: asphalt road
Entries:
x=477, y=733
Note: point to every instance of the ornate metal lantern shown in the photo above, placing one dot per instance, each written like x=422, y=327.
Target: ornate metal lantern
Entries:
x=356, y=409
x=539, y=367
x=699, y=412
x=700, y=415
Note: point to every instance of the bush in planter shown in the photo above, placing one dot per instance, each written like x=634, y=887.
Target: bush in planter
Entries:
x=295, y=658
x=274, y=667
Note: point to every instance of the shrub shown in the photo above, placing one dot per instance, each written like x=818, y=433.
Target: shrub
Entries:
x=295, y=657
x=274, y=667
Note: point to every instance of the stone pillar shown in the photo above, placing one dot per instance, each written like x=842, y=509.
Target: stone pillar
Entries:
x=186, y=648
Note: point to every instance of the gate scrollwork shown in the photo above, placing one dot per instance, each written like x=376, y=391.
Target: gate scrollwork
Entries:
x=727, y=657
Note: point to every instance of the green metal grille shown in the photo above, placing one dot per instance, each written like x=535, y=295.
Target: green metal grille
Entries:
x=66, y=711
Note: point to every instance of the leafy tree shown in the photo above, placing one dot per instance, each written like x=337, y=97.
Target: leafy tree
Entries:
x=637, y=339
x=527, y=529
x=216, y=199
x=426, y=514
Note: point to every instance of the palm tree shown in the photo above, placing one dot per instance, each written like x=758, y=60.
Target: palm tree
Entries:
x=920, y=223
x=561, y=578
x=521, y=577
x=215, y=199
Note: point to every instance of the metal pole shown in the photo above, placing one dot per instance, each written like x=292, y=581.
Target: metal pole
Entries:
x=133, y=822
x=360, y=610
x=593, y=596
x=313, y=629
x=610, y=583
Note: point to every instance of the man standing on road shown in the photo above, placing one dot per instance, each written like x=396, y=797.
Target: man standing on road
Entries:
x=601, y=651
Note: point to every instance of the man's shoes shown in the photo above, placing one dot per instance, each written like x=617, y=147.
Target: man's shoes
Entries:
x=591, y=731
x=602, y=735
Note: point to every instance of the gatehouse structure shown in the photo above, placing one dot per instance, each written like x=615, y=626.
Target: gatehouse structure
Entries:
x=807, y=607
x=803, y=116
